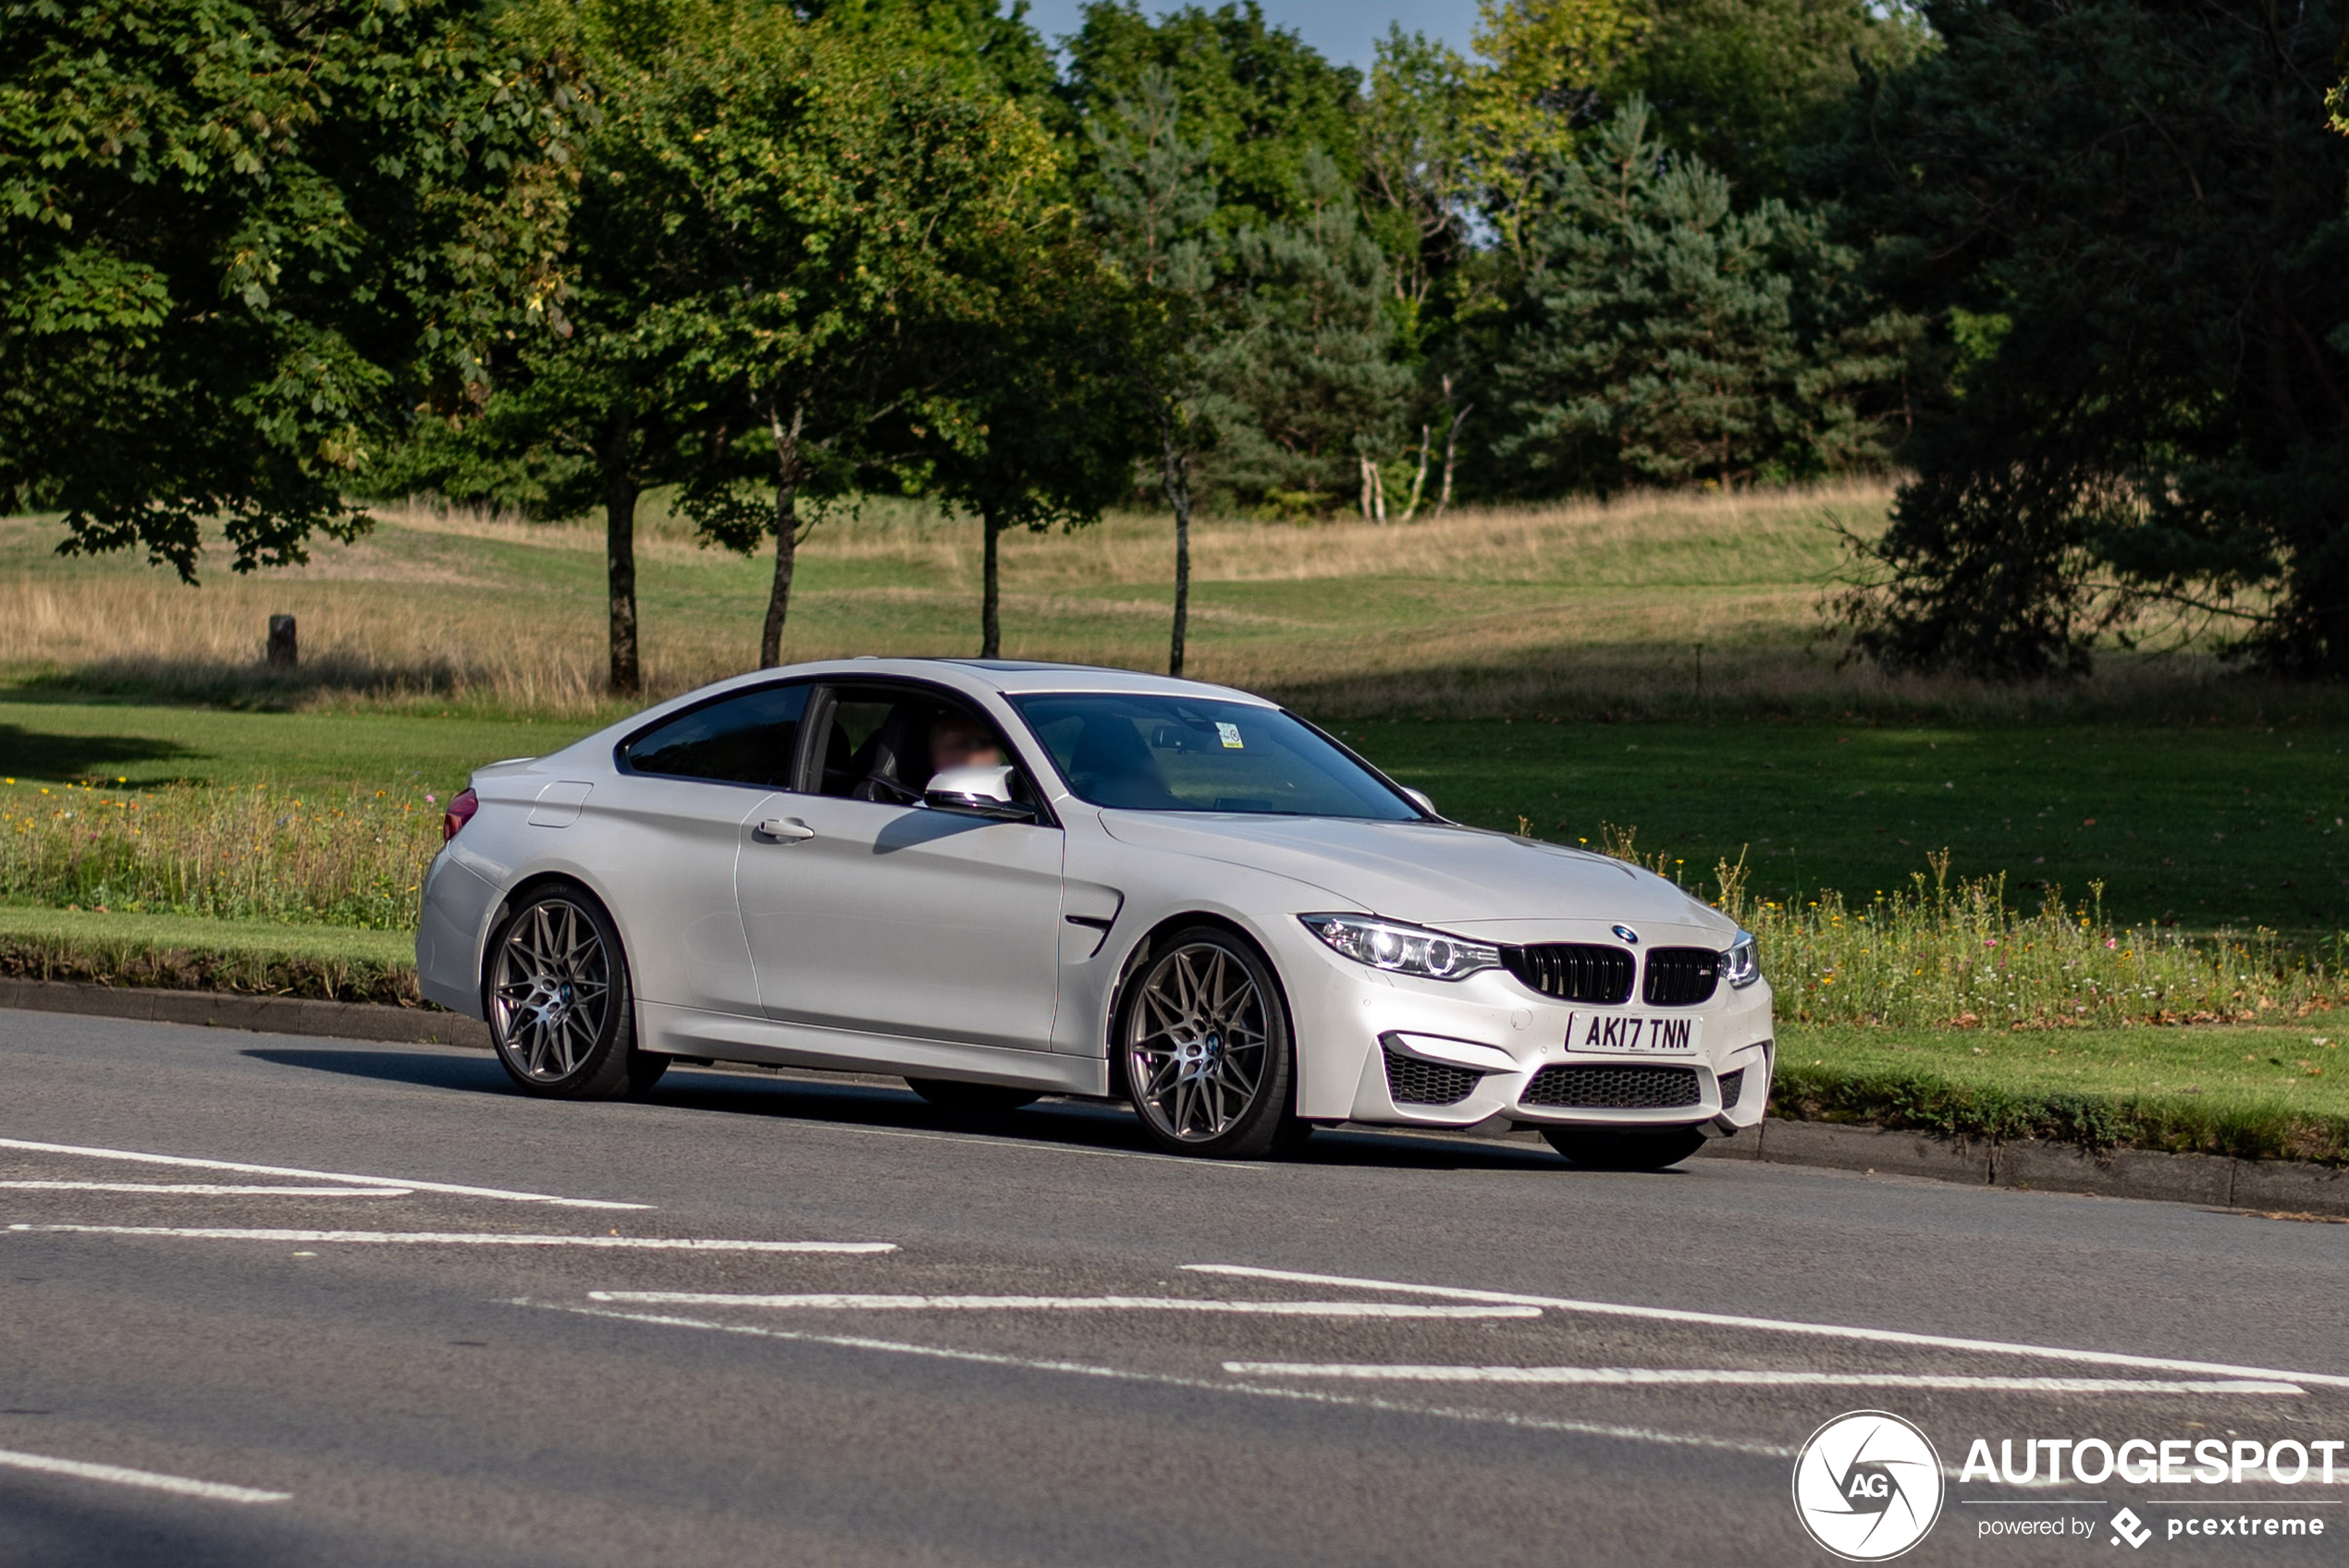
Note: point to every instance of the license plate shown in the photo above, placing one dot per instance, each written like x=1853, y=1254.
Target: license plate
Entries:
x=1630, y=1032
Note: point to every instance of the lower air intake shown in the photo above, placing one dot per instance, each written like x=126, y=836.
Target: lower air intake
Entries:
x=1615, y=1086
x=1413, y=1082
x=1732, y=1085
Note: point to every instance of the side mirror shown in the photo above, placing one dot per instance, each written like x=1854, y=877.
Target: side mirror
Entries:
x=1418, y=799
x=977, y=791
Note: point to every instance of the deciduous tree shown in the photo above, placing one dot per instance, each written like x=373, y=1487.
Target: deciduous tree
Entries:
x=238, y=240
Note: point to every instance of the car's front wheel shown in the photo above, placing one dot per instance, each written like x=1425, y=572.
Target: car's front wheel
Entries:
x=1600, y=1150
x=1205, y=1043
x=560, y=1012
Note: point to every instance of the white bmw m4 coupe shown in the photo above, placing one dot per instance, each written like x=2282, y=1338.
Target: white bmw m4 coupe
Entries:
x=1001, y=880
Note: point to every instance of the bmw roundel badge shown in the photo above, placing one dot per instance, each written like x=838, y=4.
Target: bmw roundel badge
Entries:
x=1628, y=935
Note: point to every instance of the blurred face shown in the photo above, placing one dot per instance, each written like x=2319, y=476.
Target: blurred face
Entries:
x=958, y=743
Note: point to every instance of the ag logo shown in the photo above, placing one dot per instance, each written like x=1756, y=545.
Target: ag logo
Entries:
x=1867, y=1486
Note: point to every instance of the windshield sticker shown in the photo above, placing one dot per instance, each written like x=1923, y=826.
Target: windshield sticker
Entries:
x=1231, y=733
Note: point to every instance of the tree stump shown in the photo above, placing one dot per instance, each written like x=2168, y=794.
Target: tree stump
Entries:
x=283, y=651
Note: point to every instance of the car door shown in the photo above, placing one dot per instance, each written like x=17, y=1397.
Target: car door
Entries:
x=664, y=832
x=878, y=917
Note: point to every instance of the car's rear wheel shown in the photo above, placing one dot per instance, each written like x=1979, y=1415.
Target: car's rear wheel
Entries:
x=1205, y=1043
x=559, y=1008
x=1600, y=1149
x=971, y=1098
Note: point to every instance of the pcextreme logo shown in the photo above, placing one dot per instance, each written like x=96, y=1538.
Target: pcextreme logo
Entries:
x=1867, y=1486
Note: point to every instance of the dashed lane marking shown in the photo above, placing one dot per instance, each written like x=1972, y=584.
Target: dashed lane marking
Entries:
x=204, y=1189
x=117, y=1475
x=240, y=1167
x=453, y=1238
x=1174, y=1380
x=1784, y=1326
x=844, y=1303
x=1706, y=1377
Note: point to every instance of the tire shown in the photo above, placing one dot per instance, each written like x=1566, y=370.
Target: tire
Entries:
x=1596, y=1149
x=973, y=1099
x=1203, y=1038
x=561, y=1014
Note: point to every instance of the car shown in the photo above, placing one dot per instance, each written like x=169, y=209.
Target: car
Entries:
x=1000, y=879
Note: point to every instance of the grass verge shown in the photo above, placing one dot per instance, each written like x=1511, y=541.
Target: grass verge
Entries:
x=2254, y=1092
x=190, y=953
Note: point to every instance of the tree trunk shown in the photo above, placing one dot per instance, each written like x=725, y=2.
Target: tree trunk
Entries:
x=620, y=491
x=1178, y=495
x=1451, y=448
x=990, y=628
x=1362, y=465
x=1419, y=479
x=787, y=476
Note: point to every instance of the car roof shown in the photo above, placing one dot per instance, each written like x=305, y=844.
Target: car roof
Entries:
x=1021, y=677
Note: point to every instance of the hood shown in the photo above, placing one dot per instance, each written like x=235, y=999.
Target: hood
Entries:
x=1427, y=873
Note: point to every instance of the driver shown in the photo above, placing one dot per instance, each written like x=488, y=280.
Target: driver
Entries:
x=959, y=740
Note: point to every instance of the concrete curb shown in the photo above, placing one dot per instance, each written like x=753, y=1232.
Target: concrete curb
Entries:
x=2211, y=1180
x=223, y=1009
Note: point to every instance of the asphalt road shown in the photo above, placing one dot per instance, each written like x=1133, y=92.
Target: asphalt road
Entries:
x=1051, y=1347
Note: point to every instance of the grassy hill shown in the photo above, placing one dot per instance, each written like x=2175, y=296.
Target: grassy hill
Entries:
x=1657, y=664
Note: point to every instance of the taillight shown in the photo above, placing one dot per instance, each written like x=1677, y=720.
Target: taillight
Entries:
x=460, y=811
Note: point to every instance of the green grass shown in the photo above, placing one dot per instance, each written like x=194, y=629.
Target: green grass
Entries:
x=2260, y=1093
x=2207, y=826
x=182, y=952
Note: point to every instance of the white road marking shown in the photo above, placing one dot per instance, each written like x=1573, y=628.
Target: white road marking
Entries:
x=343, y=1176
x=839, y=1302
x=1787, y=1326
x=1702, y=1377
x=456, y=1239
x=201, y=1189
x=215, y=1491
x=1171, y=1380
x=1186, y=1161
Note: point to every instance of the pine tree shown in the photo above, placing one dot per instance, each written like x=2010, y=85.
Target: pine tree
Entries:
x=1308, y=371
x=1664, y=335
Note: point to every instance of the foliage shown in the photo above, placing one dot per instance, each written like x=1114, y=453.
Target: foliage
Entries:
x=1664, y=335
x=1305, y=368
x=2143, y=196
x=1938, y=954
x=239, y=240
x=339, y=857
x=1747, y=84
x=1256, y=100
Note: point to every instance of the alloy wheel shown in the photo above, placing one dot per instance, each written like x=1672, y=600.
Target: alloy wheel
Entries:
x=1197, y=1043
x=551, y=990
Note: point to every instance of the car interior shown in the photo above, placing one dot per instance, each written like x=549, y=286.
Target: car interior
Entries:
x=877, y=744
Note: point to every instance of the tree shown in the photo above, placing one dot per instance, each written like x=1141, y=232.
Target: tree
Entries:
x=1744, y=84
x=2133, y=210
x=241, y=240
x=1546, y=65
x=843, y=195
x=1664, y=335
x=1043, y=420
x=1307, y=368
x=1152, y=204
x=1256, y=99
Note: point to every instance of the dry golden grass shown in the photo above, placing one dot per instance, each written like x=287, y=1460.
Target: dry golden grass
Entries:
x=1649, y=604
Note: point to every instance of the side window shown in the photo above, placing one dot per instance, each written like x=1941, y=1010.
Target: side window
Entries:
x=883, y=743
x=745, y=738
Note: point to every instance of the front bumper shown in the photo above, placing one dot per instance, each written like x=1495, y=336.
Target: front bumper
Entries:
x=1380, y=1048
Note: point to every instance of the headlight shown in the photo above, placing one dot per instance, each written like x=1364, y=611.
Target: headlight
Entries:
x=1405, y=950
x=1740, y=965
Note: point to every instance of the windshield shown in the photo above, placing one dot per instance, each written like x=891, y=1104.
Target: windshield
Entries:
x=1193, y=753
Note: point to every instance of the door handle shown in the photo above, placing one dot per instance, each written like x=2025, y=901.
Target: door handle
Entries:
x=784, y=830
